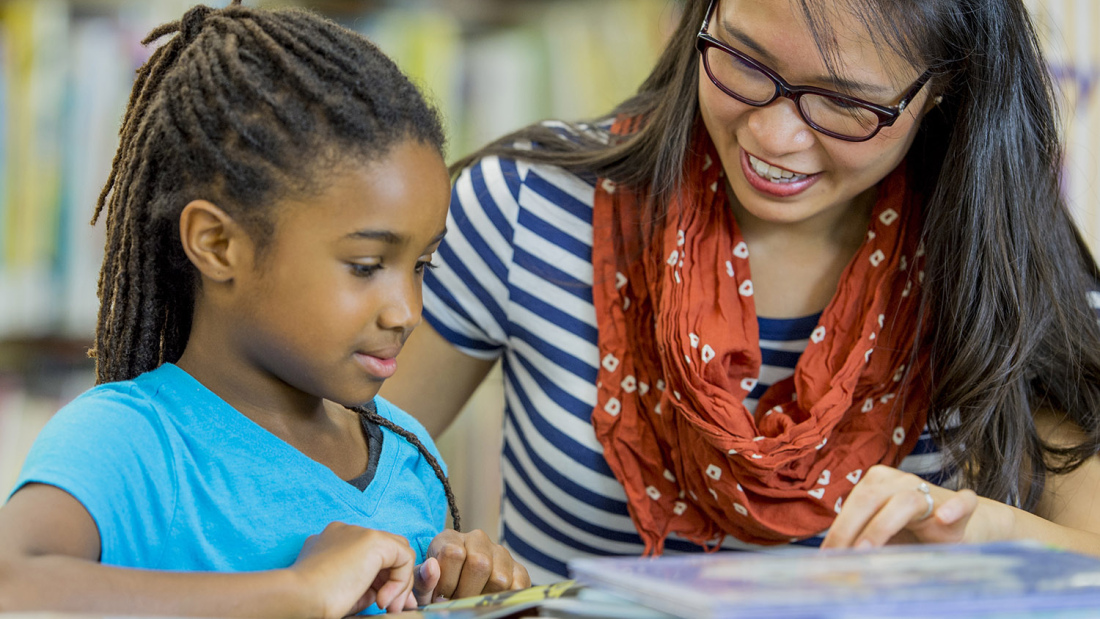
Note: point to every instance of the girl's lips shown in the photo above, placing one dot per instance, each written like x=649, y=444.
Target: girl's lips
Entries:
x=766, y=186
x=377, y=367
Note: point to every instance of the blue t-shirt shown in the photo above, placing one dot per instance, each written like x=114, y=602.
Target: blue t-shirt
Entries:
x=176, y=479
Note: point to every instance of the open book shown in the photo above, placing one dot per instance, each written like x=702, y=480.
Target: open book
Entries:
x=1009, y=579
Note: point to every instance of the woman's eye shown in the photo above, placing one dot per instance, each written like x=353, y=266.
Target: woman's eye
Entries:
x=364, y=270
x=425, y=265
x=841, y=104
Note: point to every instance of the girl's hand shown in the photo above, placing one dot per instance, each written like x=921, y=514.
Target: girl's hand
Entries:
x=889, y=506
x=464, y=564
x=347, y=568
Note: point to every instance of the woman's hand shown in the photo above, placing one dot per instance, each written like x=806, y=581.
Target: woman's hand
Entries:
x=464, y=564
x=348, y=568
x=890, y=506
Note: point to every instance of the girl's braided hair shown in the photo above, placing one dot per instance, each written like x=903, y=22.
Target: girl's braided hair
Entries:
x=241, y=107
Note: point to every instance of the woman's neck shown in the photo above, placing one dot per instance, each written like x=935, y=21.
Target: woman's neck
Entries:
x=841, y=226
x=796, y=266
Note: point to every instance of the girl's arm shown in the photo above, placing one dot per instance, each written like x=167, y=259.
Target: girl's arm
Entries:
x=49, y=553
x=434, y=380
x=887, y=507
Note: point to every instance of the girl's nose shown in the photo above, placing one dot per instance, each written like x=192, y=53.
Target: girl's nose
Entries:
x=402, y=309
x=779, y=129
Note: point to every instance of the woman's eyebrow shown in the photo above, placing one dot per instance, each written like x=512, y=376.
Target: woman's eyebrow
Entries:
x=840, y=83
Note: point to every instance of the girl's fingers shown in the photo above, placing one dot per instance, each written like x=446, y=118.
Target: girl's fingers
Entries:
x=520, y=578
x=502, y=571
x=478, y=567
x=427, y=579
x=398, y=567
x=451, y=555
x=471, y=564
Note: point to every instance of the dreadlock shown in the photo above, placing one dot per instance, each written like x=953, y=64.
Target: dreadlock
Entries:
x=241, y=107
x=371, y=414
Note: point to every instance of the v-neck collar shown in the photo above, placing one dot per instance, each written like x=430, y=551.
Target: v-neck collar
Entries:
x=251, y=433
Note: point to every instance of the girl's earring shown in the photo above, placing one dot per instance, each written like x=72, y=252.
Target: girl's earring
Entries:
x=938, y=99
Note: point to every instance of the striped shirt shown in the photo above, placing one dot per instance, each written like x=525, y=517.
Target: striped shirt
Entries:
x=515, y=281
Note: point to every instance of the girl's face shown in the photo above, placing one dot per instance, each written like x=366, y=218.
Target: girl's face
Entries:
x=334, y=295
x=749, y=139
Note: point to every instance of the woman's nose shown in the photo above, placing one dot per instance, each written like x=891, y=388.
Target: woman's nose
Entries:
x=779, y=129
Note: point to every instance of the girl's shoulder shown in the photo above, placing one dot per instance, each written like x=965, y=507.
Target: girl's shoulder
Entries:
x=122, y=406
x=134, y=394
x=404, y=420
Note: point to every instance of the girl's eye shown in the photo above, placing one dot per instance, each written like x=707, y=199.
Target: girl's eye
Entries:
x=364, y=270
x=425, y=265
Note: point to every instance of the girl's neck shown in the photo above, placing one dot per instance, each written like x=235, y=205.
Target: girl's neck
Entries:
x=322, y=431
x=211, y=358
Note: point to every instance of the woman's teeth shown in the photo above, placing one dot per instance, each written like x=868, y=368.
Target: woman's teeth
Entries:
x=774, y=174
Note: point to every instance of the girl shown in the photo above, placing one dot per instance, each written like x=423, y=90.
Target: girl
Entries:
x=278, y=192
x=815, y=276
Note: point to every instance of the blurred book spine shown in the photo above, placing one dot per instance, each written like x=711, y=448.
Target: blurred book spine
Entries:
x=66, y=67
x=35, y=74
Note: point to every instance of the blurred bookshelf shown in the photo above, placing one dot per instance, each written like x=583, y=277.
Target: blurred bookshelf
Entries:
x=491, y=66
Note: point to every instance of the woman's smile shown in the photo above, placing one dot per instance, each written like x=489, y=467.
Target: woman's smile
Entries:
x=774, y=180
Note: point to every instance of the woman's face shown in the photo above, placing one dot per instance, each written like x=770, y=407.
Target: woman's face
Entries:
x=749, y=139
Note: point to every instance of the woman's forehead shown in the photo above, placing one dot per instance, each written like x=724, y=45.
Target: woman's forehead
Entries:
x=810, y=41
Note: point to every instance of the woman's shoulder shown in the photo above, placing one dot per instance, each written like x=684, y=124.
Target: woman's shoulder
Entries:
x=510, y=156
x=509, y=183
x=579, y=132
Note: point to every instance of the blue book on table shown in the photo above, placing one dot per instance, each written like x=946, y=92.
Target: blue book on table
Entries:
x=1015, y=580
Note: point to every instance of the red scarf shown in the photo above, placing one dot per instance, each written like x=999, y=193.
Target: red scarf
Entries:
x=680, y=351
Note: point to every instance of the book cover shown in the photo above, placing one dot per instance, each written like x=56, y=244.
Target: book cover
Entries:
x=1018, y=579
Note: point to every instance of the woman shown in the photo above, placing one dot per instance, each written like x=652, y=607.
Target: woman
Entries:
x=911, y=357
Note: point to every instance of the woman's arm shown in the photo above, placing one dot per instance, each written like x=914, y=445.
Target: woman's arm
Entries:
x=887, y=507
x=1069, y=501
x=49, y=552
x=434, y=379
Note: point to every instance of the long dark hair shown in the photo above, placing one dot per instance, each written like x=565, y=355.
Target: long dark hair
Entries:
x=1005, y=308
x=242, y=107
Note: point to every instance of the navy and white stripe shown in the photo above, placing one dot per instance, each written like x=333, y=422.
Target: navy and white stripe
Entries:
x=515, y=279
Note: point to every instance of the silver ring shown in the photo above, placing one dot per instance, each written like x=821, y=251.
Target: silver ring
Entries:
x=927, y=492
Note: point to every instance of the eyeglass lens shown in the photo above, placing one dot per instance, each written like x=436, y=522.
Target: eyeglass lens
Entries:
x=755, y=87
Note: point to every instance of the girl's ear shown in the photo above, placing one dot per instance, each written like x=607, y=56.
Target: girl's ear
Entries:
x=212, y=240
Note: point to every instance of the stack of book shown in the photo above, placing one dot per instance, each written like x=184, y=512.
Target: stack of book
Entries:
x=1017, y=580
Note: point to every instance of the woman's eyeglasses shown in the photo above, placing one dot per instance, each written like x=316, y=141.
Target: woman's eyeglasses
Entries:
x=832, y=113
